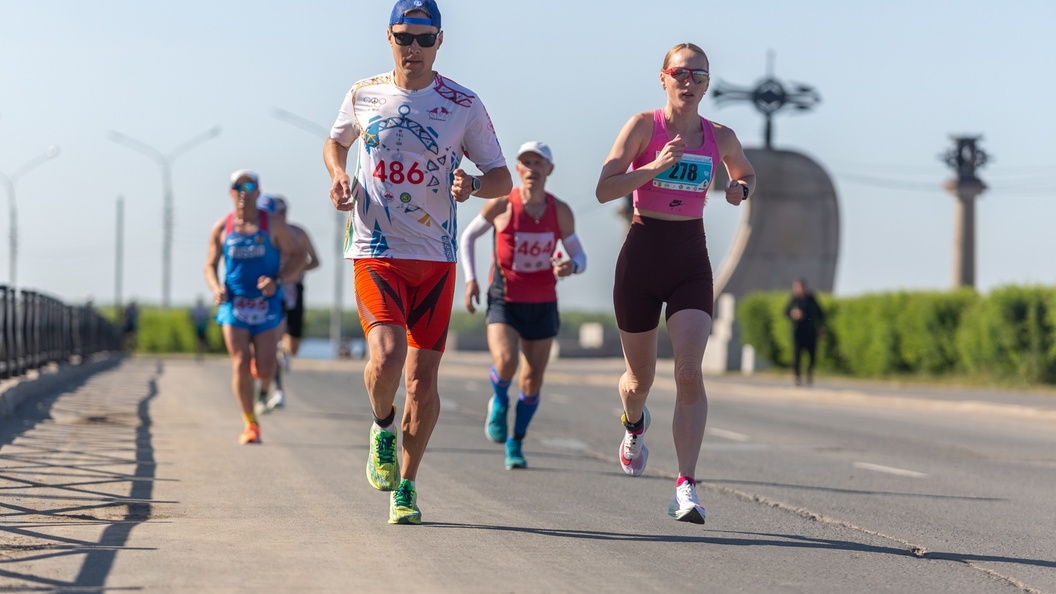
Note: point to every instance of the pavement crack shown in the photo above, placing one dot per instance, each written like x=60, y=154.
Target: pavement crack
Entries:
x=916, y=550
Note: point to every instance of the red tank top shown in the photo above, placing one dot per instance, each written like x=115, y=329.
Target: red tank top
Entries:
x=521, y=270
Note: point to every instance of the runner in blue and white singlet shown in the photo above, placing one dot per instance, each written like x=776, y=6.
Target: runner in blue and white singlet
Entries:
x=259, y=256
x=246, y=259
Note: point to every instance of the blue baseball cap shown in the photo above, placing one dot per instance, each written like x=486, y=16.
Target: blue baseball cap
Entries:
x=402, y=7
x=271, y=203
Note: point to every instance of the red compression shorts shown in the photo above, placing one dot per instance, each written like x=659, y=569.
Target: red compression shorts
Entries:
x=415, y=294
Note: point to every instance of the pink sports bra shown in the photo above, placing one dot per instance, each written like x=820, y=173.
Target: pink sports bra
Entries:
x=683, y=188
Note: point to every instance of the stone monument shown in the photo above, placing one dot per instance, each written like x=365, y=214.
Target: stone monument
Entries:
x=791, y=225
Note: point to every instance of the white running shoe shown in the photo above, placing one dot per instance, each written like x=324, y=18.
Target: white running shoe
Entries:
x=260, y=405
x=277, y=400
x=685, y=507
x=633, y=453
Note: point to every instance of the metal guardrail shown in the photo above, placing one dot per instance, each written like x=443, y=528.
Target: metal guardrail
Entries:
x=36, y=329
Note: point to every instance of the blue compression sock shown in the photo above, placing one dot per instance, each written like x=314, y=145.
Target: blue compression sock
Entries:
x=500, y=387
x=526, y=406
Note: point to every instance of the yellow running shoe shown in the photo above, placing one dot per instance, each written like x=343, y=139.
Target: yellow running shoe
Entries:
x=383, y=470
x=403, y=505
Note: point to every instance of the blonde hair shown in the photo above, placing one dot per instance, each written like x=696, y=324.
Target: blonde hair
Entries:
x=683, y=46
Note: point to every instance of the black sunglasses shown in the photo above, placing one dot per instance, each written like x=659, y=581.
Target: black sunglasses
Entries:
x=246, y=187
x=423, y=39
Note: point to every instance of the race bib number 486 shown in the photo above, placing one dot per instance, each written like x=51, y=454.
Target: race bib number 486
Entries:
x=691, y=174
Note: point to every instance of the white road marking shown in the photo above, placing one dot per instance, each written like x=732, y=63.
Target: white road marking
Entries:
x=730, y=435
x=563, y=443
x=734, y=447
x=557, y=398
x=890, y=470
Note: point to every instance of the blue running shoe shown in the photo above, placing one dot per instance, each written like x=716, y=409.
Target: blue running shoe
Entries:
x=495, y=427
x=514, y=457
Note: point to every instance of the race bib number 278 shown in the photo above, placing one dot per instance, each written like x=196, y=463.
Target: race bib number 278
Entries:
x=691, y=174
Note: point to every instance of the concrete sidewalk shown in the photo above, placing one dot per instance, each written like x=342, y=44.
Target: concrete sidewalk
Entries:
x=50, y=379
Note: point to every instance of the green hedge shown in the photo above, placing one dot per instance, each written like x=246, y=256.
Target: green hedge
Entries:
x=1008, y=335
x=172, y=331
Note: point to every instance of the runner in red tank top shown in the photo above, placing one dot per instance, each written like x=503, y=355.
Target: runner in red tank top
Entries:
x=522, y=297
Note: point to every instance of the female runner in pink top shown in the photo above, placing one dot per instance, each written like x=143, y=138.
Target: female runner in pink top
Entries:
x=667, y=158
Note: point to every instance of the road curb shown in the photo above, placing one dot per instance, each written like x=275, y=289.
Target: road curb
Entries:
x=50, y=379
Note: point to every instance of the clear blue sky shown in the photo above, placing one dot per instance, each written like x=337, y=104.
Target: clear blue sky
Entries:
x=896, y=79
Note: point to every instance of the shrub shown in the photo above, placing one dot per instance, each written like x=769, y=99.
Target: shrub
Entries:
x=1009, y=335
x=759, y=316
x=927, y=329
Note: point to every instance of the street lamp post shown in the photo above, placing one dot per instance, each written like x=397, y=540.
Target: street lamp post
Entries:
x=339, y=234
x=165, y=164
x=10, y=182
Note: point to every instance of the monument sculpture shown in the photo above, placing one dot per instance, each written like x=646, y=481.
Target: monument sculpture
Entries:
x=790, y=227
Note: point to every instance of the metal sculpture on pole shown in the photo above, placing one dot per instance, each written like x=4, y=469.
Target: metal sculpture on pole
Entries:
x=965, y=158
x=769, y=96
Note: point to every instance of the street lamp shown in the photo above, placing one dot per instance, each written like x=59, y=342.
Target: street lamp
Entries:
x=339, y=235
x=165, y=163
x=10, y=182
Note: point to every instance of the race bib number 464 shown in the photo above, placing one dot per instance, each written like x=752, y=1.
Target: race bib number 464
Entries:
x=691, y=174
x=532, y=251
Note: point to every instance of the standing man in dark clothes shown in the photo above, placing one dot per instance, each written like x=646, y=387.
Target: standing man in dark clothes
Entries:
x=808, y=322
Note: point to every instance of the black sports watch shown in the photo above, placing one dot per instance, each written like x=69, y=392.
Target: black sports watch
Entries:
x=476, y=184
x=744, y=188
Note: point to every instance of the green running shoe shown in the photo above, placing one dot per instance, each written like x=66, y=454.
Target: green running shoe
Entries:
x=383, y=470
x=403, y=505
x=514, y=457
x=495, y=427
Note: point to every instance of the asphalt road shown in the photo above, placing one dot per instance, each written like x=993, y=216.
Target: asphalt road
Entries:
x=132, y=480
